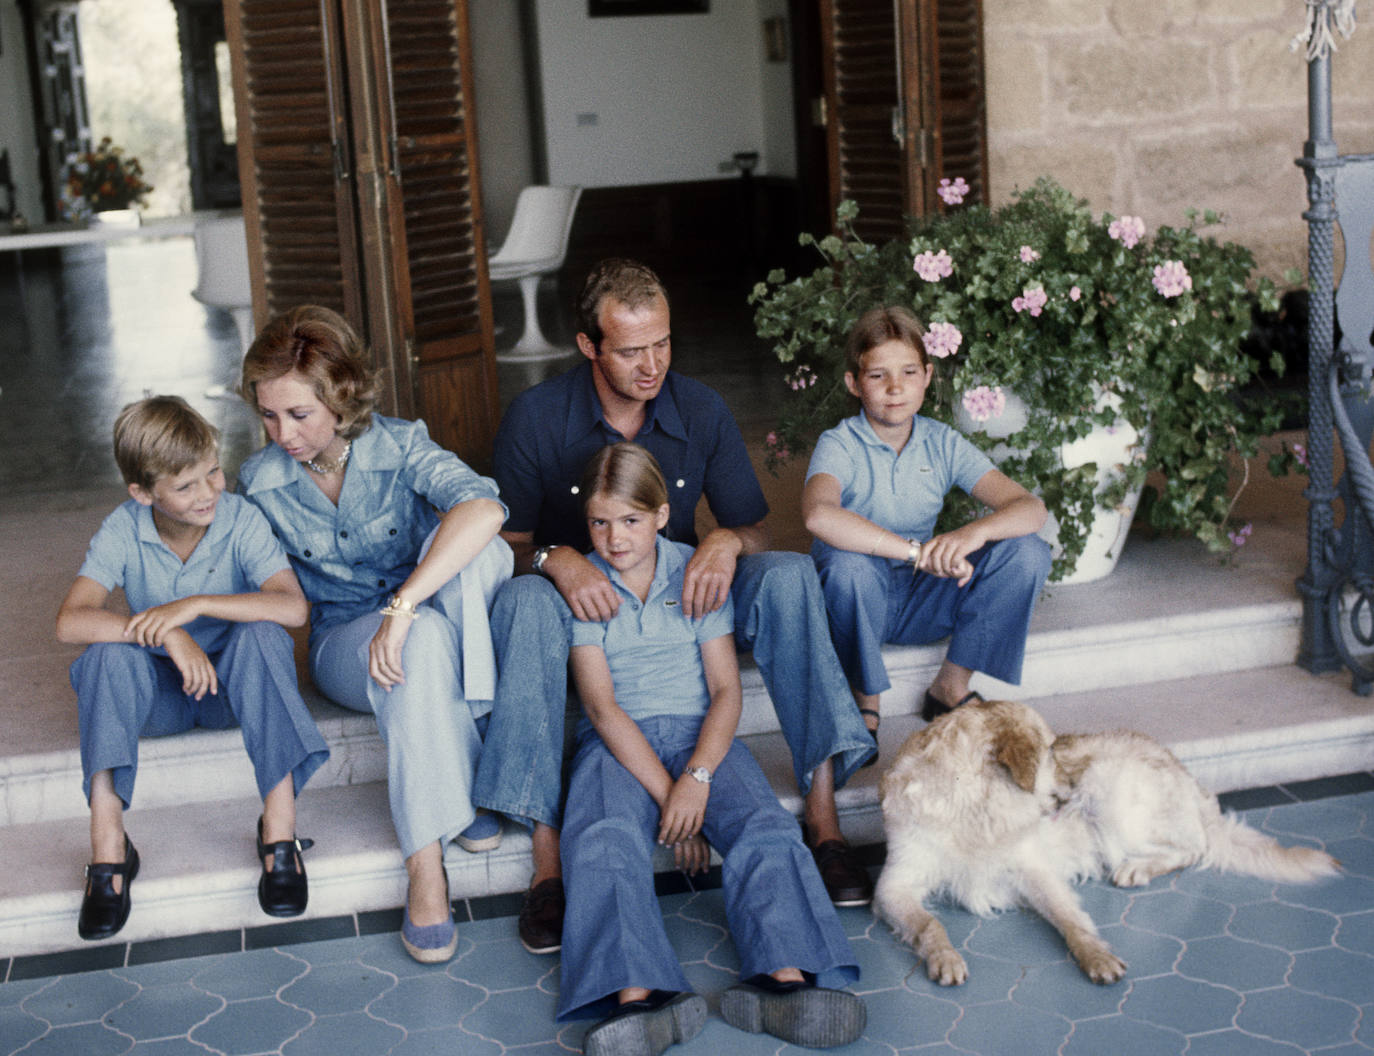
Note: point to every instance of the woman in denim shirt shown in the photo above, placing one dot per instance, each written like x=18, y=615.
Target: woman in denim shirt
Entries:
x=399, y=592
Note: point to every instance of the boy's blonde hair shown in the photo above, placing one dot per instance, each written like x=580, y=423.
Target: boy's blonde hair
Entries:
x=159, y=437
x=877, y=326
x=319, y=344
x=627, y=472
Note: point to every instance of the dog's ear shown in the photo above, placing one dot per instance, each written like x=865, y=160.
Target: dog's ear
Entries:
x=1020, y=749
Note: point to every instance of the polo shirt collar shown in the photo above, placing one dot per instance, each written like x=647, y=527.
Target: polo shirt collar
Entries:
x=862, y=428
x=148, y=533
x=585, y=414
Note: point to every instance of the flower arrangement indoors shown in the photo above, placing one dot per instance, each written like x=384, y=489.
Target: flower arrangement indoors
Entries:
x=1045, y=323
x=102, y=180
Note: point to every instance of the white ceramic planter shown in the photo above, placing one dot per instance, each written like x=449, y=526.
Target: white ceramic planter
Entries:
x=1110, y=447
x=117, y=218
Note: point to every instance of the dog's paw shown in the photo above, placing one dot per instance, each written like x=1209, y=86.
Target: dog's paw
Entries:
x=947, y=968
x=1132, y=874
x=1100, y=964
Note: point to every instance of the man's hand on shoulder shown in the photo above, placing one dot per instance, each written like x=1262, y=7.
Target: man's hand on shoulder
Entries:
x=710, y=573
x=584, y=586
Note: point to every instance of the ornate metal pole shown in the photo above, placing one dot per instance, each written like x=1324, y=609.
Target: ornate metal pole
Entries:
x=1317, y=652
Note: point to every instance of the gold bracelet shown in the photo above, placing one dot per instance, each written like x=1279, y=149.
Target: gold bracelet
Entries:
x=395, y=606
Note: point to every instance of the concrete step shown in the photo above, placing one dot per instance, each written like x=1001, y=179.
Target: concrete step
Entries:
x=1238, y=730
x=210, y=765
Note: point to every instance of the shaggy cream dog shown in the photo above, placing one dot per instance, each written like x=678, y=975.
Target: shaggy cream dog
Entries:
x=986, y=806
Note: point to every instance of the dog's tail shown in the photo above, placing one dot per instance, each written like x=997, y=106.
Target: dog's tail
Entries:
x=1233, y=846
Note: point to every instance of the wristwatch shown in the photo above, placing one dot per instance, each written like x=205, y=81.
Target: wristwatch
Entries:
x=699, y=773
x=540, y=556
x=913, y=554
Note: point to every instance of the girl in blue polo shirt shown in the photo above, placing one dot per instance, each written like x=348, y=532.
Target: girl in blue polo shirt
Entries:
x=657, y=761
x=874, y=488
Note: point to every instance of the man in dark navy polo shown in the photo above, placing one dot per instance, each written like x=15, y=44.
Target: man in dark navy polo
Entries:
x=625, y=391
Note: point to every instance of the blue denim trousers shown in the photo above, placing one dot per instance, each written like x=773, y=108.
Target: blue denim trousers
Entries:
x=871, y=602
x=124, y=692
x=779, y=614
x=613, y=932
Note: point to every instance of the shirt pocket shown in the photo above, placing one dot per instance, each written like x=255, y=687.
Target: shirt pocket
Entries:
x=384, y=542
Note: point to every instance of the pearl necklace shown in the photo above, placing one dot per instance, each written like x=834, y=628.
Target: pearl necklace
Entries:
x=328, y=466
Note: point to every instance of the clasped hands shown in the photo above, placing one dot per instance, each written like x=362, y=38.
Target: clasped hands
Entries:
x=680, y=825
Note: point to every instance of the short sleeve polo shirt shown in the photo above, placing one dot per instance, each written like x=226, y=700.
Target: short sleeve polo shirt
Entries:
x=237, y=555
x=900, y=492
x=652, y=647
x=550, y=432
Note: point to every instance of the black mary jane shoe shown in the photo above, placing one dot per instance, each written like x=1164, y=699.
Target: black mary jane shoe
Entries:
x=103, y=909
x=283, y=890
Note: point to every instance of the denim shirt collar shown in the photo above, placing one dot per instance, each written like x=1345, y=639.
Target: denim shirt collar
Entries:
x=375, y=451
x=585, y=414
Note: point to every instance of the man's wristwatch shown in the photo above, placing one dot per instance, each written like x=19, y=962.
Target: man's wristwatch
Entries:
x=699, y=773
x=540, y=556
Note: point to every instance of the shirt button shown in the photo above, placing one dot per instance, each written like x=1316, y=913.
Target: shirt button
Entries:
x=575, y=489
x=681, y=483
x=381, y=582
x=306, y=553
x=343, y=534
x=392, y=532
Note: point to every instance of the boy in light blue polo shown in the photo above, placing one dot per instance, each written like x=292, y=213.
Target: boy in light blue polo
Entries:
x=211, y=594
x=874, y=488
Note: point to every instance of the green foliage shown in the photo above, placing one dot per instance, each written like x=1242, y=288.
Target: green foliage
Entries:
x=1107, y=345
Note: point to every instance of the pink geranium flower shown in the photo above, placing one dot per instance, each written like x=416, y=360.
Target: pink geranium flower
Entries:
x=1171, y=278
x=1032, y=300
x=1300, y=453
x=952, y=193
x=1128, y=230
x=934, y=266
x=1239, y=536
x=802, y=378
x=942, y=340
x=1028, y=255
x=1075, y=293
x=985, y=402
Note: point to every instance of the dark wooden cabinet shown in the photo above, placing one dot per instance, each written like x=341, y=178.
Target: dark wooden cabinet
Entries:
x=357, y=154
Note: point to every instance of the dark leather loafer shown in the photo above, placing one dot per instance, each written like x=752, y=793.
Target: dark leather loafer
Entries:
x=846, y=881
x=283, y=890
x=103, y=909
x=541, y=917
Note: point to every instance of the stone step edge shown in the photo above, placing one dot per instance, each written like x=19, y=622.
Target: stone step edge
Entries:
x=358, y=881
x=39, y=786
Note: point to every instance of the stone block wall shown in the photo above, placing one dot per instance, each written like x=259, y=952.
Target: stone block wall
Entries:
x=1146, y=107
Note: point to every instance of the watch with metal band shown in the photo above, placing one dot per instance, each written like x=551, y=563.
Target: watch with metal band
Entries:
x=913, y=555
x=540, y=556
x=699, y=773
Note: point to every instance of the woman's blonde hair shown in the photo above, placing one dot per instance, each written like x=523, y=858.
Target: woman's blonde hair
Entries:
x=319, y=344
x=627, y=472
x=159, y=437
x=877, y=326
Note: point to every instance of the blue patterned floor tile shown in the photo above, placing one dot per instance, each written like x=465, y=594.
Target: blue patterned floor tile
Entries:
x=1181, y=914
x=1122, y=1036
x=170, y=1047
x=1018, y=935
x=83, y=1039
x=1356, y=855
x=331, y=989
x=1144, y=952
x=1183, y=1004
x=428, y=1001
x=1350, y=895
x=18, y=1028
x=450, y=1040
x=1003, y=1028
x=163, y=1011
x=164, y=973
x=1356, y=933
x=1335, y=973
x=255, y=973
x=515, y=1017
x=351, y=1032
x=711, y=980
x=1239, y=1043
x=1228, y=961
x=78, y=998
x=1306, y=1020
x=989, y=979
x=1288, y=927
x=1231, y=888
x=13, y=993
x=259, y=1024
x=907, y=1019
x=1064, y=990
x=503, y=965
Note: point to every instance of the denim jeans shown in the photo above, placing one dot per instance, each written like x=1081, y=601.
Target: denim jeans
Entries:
x=872, y=602
x=613, y=932
x=124, y=691
x=779, y=614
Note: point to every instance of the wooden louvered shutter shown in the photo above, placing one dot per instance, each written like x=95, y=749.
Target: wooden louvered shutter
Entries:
x=905, y=105
x=299, y=204
x=445, y=259
x=361, y=192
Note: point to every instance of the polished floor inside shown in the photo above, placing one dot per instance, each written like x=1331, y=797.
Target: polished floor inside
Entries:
x=1218, y=964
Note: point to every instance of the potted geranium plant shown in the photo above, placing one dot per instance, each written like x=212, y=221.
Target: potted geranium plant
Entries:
x=1089, y=322
x=104, y=180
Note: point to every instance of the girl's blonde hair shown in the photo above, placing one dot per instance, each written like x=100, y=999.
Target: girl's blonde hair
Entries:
x=627, y=472
x=319, y=344
x=159, y=437
x=877, y=326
